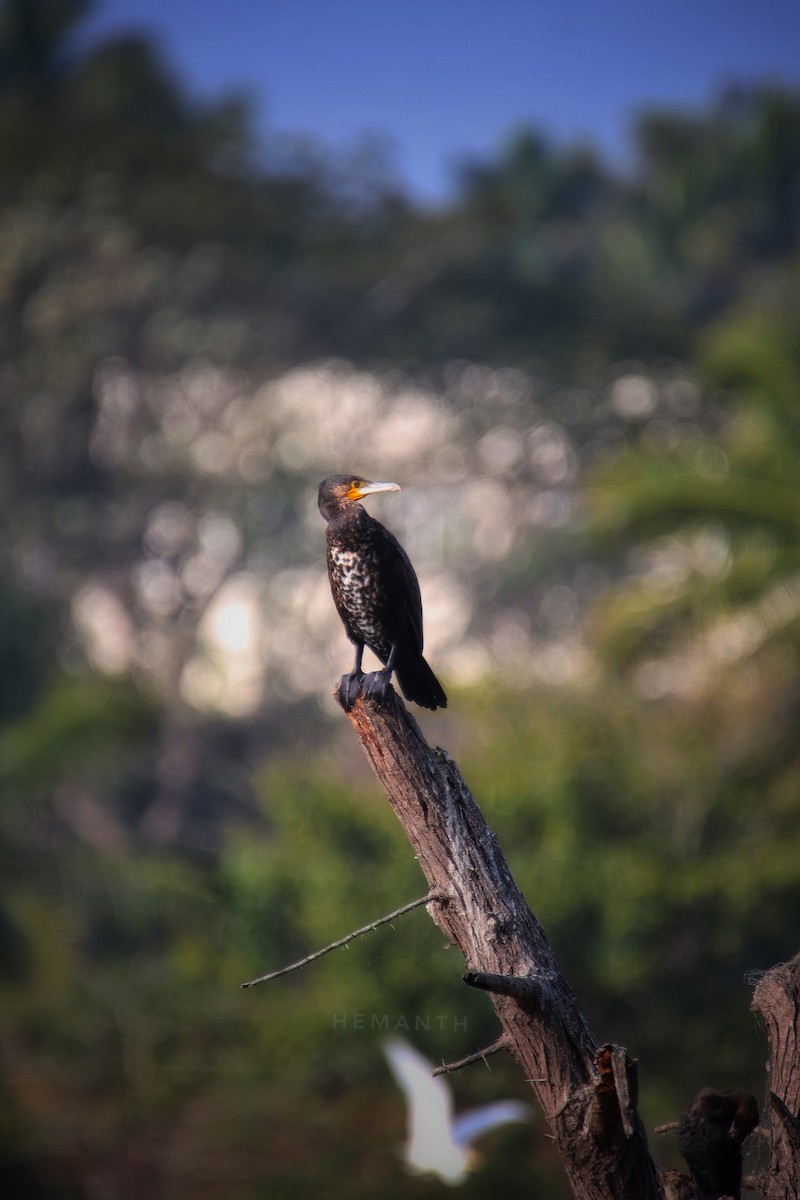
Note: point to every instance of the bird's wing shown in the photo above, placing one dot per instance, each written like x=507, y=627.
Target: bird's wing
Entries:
x=431, y=1147
x=405, y=585
x=472, y=1124
x=430, y=1103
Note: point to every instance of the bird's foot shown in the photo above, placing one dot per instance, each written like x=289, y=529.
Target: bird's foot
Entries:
x=378, y=685
x=350, y=688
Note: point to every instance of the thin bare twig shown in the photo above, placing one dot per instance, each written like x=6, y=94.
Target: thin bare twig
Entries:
x=478, y=1056
x=666, y=1128
x=398, y=912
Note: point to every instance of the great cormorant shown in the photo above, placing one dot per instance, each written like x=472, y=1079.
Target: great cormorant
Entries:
x=376, y=593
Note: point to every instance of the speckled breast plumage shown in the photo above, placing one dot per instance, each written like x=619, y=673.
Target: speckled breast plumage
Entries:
x=358, y=596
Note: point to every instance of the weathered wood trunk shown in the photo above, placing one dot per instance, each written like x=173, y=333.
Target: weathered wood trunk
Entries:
x=776, y=999
x=588, y=1093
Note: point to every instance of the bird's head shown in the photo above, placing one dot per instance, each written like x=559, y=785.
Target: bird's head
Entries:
x=339, y=491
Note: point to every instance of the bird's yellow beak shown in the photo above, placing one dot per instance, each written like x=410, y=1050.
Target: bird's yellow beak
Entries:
x=363, y=487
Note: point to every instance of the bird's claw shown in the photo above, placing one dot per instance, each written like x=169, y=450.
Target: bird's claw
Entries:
x=378, y=685
x=349, y=689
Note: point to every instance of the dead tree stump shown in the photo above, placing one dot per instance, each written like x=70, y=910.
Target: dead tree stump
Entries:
x=588, y=1093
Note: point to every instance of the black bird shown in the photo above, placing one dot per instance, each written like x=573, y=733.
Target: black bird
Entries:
x=376, y=593
x=710, y=1135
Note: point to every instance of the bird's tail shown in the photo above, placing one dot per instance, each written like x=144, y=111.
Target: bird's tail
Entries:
x=419, y=684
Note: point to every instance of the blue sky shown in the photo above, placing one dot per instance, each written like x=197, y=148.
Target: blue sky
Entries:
x=449, y=79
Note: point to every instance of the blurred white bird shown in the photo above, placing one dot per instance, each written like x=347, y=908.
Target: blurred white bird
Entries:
x=439, y=1143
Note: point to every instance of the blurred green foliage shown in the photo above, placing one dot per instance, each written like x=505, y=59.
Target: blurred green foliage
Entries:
x=154, y=859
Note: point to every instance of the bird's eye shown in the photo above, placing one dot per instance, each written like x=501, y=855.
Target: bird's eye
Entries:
x=354, y=483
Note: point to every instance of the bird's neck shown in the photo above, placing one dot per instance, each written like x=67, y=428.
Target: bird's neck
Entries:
x=348, y=516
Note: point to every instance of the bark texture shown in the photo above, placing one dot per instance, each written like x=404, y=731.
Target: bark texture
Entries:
x=776, y=1000
x=588, y=1093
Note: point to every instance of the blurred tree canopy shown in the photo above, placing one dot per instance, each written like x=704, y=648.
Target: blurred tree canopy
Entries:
x=593, y=383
